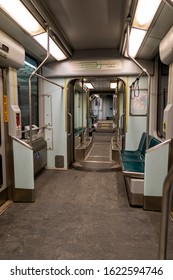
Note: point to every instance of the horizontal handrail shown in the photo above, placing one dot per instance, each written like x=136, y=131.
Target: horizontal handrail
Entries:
x=36, y=128
x=22, y=142
x=50, y=81
x=158, y=146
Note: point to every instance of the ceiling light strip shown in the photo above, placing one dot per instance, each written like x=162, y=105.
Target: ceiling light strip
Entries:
x=18, y=12
x=54, y=49
x=21, y=15
x=145, y=12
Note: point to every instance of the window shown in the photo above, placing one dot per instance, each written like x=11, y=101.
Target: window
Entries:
x=138, y=102
x=23, y=75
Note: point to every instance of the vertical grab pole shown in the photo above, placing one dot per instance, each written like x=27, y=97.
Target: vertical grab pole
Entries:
x=29, y=86
x=166, y=202
x=148, y=91
x=148, y=111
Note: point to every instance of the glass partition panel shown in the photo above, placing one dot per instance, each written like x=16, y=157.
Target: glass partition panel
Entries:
x=80, y=108
x=23, y=75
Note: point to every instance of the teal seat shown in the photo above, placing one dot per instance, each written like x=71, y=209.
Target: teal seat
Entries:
x=140, y=155
x=78, y=131
x=132, y=158
x=141, y=146
x=154, y=142
x=133, y=167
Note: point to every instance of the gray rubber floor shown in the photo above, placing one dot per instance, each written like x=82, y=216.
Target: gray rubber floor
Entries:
x=80, y=215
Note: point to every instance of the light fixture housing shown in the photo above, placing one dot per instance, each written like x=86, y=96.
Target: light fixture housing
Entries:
x=55, y=51
x=135, y=40
x=21, y=15
x=145, y=12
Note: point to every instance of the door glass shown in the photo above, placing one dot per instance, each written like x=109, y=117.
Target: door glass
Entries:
x=23, y=75
x=80, y=109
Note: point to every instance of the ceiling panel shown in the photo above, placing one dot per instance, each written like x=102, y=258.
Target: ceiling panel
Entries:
x=163, y=24
x=89, y=24
x=31, y=46
x=158, y=30
x=150, y=49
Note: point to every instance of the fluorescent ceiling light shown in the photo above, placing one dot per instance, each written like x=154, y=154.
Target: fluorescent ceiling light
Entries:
x=145, y=12
x=135, y=40
x=89, y=85
x=55, y=51
x=113, y=85
x=16, y=10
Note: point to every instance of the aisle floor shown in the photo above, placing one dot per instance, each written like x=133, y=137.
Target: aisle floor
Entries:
x=80, y=215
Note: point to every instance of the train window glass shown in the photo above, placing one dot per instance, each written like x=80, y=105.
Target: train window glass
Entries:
x=162, y=96
x=23, y=75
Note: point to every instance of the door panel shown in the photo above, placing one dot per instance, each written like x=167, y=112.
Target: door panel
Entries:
x=121, y=95
x=6, y=158
x=70, y=121
x=3, y=192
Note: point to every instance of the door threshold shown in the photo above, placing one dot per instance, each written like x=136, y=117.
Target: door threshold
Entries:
x=5, y=206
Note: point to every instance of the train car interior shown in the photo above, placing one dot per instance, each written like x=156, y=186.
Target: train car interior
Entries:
x=86, y=130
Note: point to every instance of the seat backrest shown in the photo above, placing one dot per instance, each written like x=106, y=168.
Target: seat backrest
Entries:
x=154, y=142
x=150, y=138
x=142, y=142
